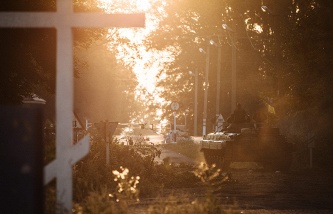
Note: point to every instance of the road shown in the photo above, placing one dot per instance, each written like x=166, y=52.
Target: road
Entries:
x=150, y=135
x=174, y=157
x=137, y=134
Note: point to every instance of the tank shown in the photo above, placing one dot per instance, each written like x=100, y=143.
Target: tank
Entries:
x=247, y=142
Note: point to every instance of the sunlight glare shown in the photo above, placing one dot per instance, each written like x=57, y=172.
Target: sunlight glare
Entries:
x=126, y=6
x=257, y=28
x=145, y=63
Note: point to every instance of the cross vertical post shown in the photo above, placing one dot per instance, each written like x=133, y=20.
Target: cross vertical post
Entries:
x=64, y=20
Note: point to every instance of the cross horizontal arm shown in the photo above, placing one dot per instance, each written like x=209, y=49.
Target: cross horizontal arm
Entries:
x=53, y=19
x=50, y=172
x=79, y=150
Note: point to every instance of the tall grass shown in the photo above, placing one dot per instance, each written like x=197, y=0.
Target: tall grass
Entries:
x=114, y=188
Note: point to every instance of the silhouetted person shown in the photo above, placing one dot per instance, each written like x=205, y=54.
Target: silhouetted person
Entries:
x=239, y=115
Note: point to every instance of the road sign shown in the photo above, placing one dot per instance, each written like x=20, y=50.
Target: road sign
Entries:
x=106, y=129
x=175, y=106
x=111, y=127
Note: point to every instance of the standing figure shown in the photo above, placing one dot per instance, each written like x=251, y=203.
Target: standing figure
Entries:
x=239, y=115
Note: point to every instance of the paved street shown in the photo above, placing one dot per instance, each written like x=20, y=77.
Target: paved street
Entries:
x=196, y=139
x=137, y=134
x=174, y=157
x=152, y=136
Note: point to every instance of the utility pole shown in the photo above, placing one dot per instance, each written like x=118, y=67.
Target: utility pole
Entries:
x=218, y=85
x=204, y=125
x=195, y=105
x=233, y=72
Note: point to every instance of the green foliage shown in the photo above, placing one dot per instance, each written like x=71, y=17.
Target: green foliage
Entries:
x=211, y=178
x=97, y=202
x=127, y=186
x=99, y=188
x=116, y=201
x=275, y=61
x=182, y=204
x=28, y=56
x=28, y=63
x=92, y=173
x=50, y=197
x=189, y=26
x=23, y=5
x=49, y=152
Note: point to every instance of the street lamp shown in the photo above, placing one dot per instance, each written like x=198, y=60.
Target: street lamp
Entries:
x=202, y=50
x=204, y=120
x=218, y=85
x=195, y=131
x=185, y=115
x=266, y=9
x=226, y=27
x=233, y=65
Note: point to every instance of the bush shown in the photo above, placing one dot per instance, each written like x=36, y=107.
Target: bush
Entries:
x=99, y=188
x=212, y=179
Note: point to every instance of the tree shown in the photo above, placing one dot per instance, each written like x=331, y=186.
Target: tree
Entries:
x=27, y=65
x=284, y=56
x=27, y=62
x=190, y=26
x=264, y=43
x=105, y=89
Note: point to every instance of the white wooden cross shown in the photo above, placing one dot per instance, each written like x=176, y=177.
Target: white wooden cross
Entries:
x=63, y=20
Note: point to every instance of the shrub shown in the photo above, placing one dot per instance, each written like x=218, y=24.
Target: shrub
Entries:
x=95, y=191
x=212, y=179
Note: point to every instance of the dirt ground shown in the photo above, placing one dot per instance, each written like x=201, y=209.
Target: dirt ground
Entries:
x=305, y=192
x=262, y=192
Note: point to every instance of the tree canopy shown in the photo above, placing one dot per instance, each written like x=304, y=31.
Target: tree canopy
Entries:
x=283, y=53
x=28, y=55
